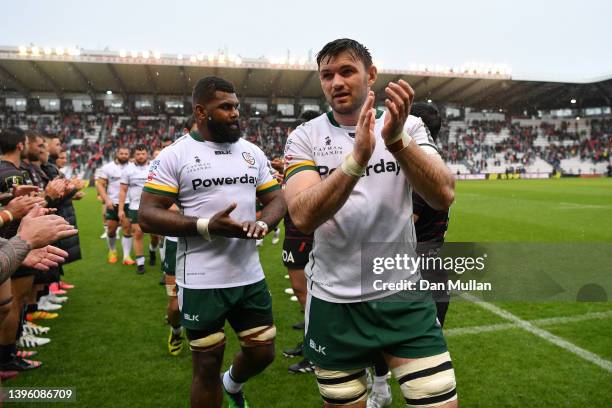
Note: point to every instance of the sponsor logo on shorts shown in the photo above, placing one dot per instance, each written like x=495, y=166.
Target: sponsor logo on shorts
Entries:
x=288, y=256
x=317, y=348
x=191, y=318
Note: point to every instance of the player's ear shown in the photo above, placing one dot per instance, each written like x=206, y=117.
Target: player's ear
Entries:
x=372, y=75
x=200, y=113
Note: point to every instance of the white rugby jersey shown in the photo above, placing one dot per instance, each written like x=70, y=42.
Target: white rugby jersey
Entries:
x=378, y=209
x=134, y=176
x=111, y=172
x=205, y=178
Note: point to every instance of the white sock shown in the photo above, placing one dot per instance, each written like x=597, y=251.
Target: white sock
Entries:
x=230, y=385
x=105, y=228
x=380, y=385
x=112, y=243
x=276, y=232
x=152, y=248
x=126, y=243
x=140, y=260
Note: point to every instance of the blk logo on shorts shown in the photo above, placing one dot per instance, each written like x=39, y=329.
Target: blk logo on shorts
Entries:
x=318, y=349
x=191, y=318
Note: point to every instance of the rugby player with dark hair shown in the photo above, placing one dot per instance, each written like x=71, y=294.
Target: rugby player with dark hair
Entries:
x=215, y=177
x=108, y=179
x=133, y=178
x=168, y=266
x=296, y=250
x=349, y=178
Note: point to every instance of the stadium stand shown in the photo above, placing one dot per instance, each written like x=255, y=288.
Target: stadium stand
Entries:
x=470, y=146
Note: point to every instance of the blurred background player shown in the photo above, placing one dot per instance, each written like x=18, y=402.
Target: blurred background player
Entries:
x=133, y=178
x=108, y=180
x=296, y=249
x=175, y=338
x=168, y=261
x=430, y=226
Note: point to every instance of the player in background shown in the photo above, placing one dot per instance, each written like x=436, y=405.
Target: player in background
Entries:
x=367, y=198
x=168, y=261
x=108, y=180
x=296, y=250
x=215, y=177
x=430, y=227
x=133, y=178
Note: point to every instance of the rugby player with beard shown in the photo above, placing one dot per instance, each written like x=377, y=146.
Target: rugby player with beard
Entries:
x=215, y=178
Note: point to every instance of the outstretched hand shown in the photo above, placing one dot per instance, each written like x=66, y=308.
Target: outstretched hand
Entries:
x=224, y=225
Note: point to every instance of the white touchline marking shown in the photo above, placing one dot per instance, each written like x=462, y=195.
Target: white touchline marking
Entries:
x=527, y=326
x=459, y=331
x=576, y=206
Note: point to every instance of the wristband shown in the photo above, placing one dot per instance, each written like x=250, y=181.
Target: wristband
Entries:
x=202, y=226
x=350, y=167
x=398, y=142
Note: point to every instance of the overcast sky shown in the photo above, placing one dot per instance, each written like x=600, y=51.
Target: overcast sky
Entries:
x=538, y=39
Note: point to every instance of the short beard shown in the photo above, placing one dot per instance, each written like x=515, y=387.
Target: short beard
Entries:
x=354, y=107
x=222, y=132
x=122, y=161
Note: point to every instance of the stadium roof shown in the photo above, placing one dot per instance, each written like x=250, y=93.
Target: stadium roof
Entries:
x=62, y=71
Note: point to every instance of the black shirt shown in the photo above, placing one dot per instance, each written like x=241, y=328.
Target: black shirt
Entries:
x=432, y=224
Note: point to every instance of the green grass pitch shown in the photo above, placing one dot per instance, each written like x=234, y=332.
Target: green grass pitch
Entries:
x=109, y=342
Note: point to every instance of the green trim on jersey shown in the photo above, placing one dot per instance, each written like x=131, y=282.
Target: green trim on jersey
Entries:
x=298, y=169
x=332, y=120
x=159, y=192
x=268, y=190
x=196, y=136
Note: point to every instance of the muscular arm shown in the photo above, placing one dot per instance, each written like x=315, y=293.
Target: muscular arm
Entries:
x=429, y=176
x=101, y=187
x=12, y=254
x=123, y=188
x=274, y=209
x=155, y=217
x=312, y=201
